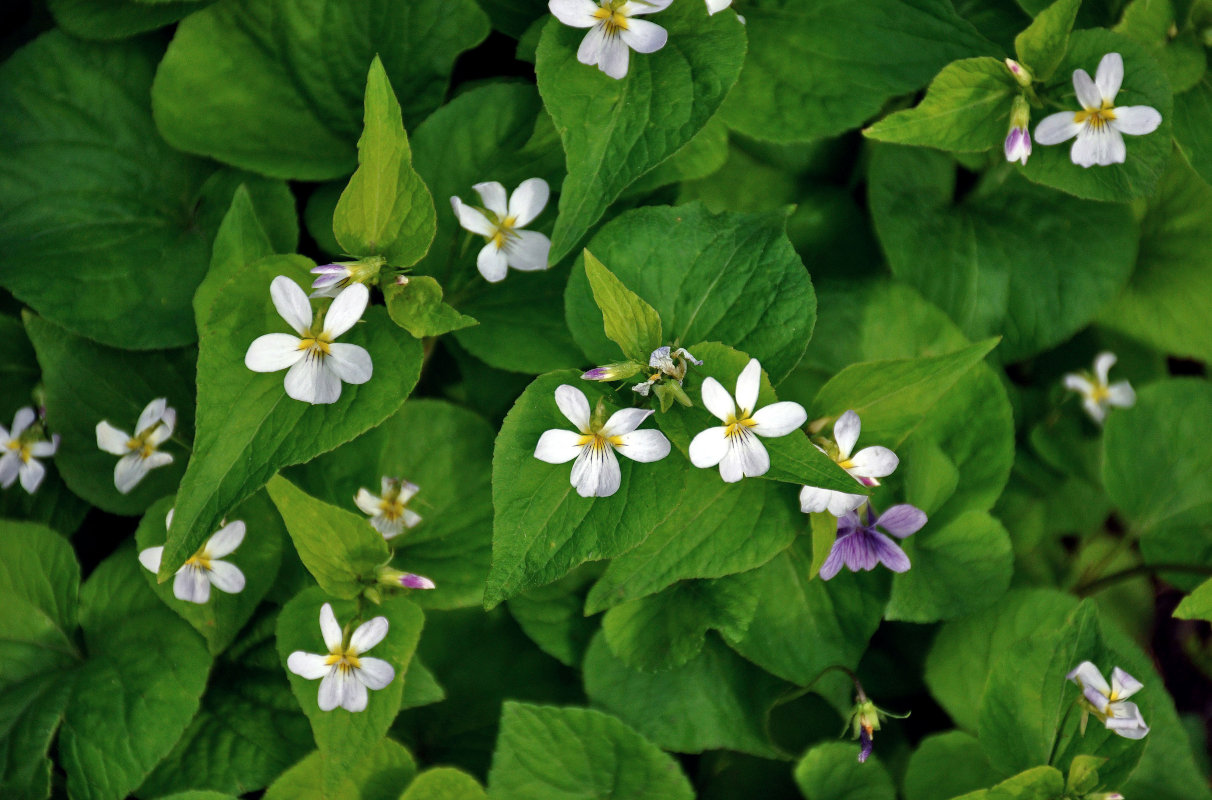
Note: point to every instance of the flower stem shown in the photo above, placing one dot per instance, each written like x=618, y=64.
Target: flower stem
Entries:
x=1087, y=589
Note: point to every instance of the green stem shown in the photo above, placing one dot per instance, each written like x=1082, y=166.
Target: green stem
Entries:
x=1088, y=589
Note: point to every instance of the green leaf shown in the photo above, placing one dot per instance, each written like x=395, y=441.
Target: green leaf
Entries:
x=118, y=19
x=665, y=630
x=717, y=700
x=444, y=783
x=1038, y=783
x=386, y=210
x=1175, y=42
x=614, y=131
x=240, y=241
x=1192, y=117
x=120, y=384
x=1083, y=774
x=703, y=155
x=552, y=615
x=249, y=428
x=1198, y=604
x=447, y=452
x=138, y=690
x=421, y=688
x=731, y=278
x=958, y=568
x=628, y=321
x=548, y=753
x=542, y=528
x=342, y=736
x=892, y=397
x=418, y=308
x=837, y=616
x=1164, y=302
x=966, y=108
x=293, y=75
x=1003, y=260
x=339, y=548
x=1043, y=44
x=831, y=771
x=135, y=227
x=860, y=56
x=220, y=619
x=823, y=528
x=378, y=775
x=1144, y=84
x=946, y=765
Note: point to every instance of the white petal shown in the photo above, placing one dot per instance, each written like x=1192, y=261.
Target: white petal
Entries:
x=596, y=473
x=350, y=362
x=528, y=201
x=558, y=447
x=472, y=219
x=291, y=303
x=1109, y=76
x=331, y=690
x=368, y=634
x=191, y=585
x=492, y=263
x=389, y=529
x=45, y=449
x=308, y=665
x=225, y=540
x=1115, y=152
x=21, y=420
x=1136, y=120
x=112, y=440
x=625, y=421
x=1103, y=362
x=330, y=629
x=748, y=383
x=614, y=56
x=151, y=414
x=1121, y=394
x=1087, y=675
x=1127, y=721
x=1102, y=146
x=574, y=13
x=157, y=459
x=709, y=447
x=311, y=382
x=746, y=458
x=814, y=500
x=32, y=474
x=411, y=518
x=1087, y=92
x=367, y=502
x=573, y=405
x=226, y=577
x=643, y=36
x=714, y=6
x=129, y=470
x=272, y=352
x=717, y=400
x=1096, y=410
x=407, y=491
x=346, y=310
x=592, y=46
x=492, y=195
x=846, y=433
x=528, y=251
x=644, y=7
x=1079, y=383
x=10, y=468
x=162, y=432
x=873, y=462
x=353, y=693
x=779, y=419
x=1124, y=685
x=151, y=557
x=646, y=445
x=375, y=673
x=1057, y=128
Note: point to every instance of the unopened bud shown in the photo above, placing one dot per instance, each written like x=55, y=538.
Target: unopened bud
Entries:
x=1020, y=73
x=618, y=371
x=387, y=576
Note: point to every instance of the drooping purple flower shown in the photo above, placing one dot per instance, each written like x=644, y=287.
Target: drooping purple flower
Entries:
x=411, y=580
x=865, y=744
x=859, y=546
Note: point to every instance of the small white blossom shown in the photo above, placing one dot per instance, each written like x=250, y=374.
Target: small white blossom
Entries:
x=596, y=471
x=1097, y=395
x=734, y=446
x=317, y=364
x=501, y=222
x=714, y=6
x=614, y=31
x=140, y=452
x=388, y=512
x=203, y=569
x=19, y=453
x=1107, y=702
x=865, y=466
x=1100, y=125
x=345, y=673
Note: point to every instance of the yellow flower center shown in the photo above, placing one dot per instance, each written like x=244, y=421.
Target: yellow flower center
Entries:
x=346, y=659
x=141, y=443
x=1100, y=394
x=738, y=424
x=1097, y=117
x=611, y=20
x=391, y=507
x=504, y=232
x=199, y=560
x=596, y=442
x=316, y=344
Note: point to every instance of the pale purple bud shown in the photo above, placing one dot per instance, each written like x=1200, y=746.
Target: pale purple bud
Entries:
x=596, y=374
x=330, y=275
x=410, y=580
x=1018, y=145
x=865, y=745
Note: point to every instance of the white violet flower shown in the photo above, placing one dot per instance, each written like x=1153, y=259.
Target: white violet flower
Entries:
x=1107, y=702
x=140, y=452
x=714, y=6
x=501, y=222
x=614, y=31
x=317, y=364
x=734, y=445
x=865, y=466
x=388, y=512
x=1100, y=125
x=20, y=449
x=203, y=569
x=593, y=445
x=345, y=673
x=1097, y=395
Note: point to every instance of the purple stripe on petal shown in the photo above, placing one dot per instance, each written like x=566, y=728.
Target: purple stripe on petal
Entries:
x=858, y=551
x=889, y=554
x=902, y=520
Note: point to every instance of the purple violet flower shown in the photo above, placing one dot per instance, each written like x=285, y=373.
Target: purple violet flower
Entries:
x=1018, y=145
x=859, y=546
x=410, y=580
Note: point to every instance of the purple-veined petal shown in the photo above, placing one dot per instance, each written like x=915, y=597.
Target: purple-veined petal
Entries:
x=1057, y=128
x=1136, y=120
x=528, y=201
x=1124, y=685
x=330, y=629
x=129, y=470
x=717, y=400
x=858, y=550
x=614, y=57
x=32, y=473
x=492, y=195
x=191, y=585
x=1087, y=91
x=873, y=462
x=557, y=446
x=902, y=520
x=709, y=447
x=112, y=440
x=367, y=502
x=291, y=303
x=346, y=309
x=368, y=634
x=273, y=352
x=834, y=562
x=624, y=421
x=888, y=552
x=472, y=219
x=1109, y=76
x=226, y=577
x=1119, y=394
x=779, y=419
x=22, y=420
x=644, y=446
x=527, y=251
x=492, y=263
x=643, y=36
x=375, y=673
x=846, y=433
x=1086, y=674
x=225, y=540
x=573, y=405
x=574, y=13
x=350, y=362
x=748, y=384
x=596, y=473
x=308, y=665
